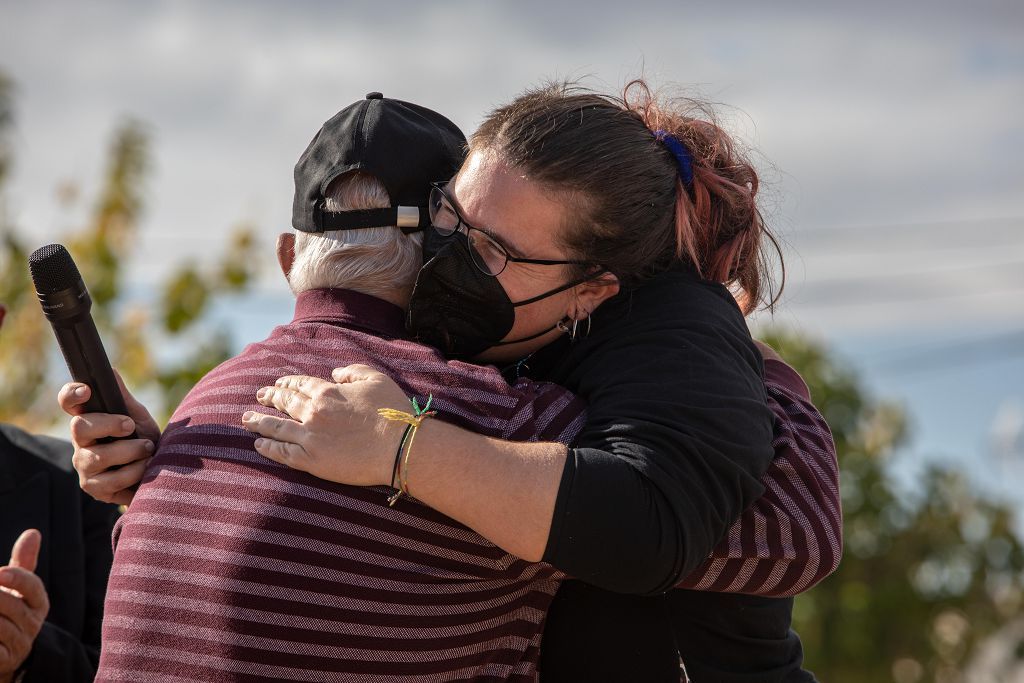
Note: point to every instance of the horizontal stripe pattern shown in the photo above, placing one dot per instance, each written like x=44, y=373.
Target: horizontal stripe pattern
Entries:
x=231, y=567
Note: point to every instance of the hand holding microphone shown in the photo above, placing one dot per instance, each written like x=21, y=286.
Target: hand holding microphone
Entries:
x=109, y=464
x=113, y=433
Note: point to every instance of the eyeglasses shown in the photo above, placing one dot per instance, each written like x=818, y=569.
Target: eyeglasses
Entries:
x=489, y=255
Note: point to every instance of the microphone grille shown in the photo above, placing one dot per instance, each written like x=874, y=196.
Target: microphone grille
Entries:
x=53, y=269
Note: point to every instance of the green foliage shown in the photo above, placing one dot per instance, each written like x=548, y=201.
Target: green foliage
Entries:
x=184, y=299
x=22, y=352
x=6, y=119
x=187, y=293
x=110, y=235
x=927, y=575
x=29, y=372
x=236, y=268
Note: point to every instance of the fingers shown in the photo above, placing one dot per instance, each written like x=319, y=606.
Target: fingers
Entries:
x=99, y=458
x=274, y=427
x=302, y=384
x=72, y=396
x=123, y=497
x=94, y=461
x=354, y=373
x=297, y=405
x=15, y=643
x=290, y=454
x=23, y=607
x=26, y=584
x=12, y=607
x=25, y=553
x=113, y=486
x=89, y=428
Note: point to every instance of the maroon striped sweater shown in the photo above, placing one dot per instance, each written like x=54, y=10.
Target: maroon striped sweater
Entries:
x=230, y=567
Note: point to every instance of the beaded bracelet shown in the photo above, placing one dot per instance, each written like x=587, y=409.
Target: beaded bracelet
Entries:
x=413, y=421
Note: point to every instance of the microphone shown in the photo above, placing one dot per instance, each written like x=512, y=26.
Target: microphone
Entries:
x=66, y=304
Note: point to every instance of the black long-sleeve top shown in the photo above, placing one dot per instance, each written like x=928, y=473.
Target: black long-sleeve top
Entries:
x=678, y=434
x=677, y=437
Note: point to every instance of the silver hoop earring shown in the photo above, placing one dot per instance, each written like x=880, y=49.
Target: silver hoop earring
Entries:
x=573, y=331
x=589, y=320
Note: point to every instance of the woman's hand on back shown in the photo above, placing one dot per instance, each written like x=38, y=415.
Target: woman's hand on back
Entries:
x=335, y=432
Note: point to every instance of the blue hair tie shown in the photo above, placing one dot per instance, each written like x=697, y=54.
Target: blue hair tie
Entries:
x=682, y=155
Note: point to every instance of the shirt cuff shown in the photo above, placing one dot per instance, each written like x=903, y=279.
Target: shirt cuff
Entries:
x=561, y=503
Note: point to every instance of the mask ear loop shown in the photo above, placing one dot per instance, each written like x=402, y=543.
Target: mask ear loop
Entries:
x=563, y=324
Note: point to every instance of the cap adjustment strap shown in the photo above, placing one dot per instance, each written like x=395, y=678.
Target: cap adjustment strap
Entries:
x=408, y=219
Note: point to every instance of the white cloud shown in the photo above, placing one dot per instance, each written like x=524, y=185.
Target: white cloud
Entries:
x=875, y=114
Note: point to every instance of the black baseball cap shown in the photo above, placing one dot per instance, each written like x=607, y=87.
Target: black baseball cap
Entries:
x=403, y=145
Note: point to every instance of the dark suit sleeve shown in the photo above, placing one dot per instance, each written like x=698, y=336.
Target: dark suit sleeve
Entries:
x=678, y=435
x=59, y=657
x=98, y=521
x=75, y=562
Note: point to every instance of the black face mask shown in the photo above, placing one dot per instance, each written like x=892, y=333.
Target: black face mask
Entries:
x=433, y=242
x=460, y=310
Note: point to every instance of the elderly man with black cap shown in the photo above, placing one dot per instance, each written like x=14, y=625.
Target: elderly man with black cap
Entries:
x=230, y=566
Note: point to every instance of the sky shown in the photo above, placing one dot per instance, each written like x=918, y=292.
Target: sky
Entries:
x=888, y=137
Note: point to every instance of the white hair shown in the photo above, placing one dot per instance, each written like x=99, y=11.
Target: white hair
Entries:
x=374, y=261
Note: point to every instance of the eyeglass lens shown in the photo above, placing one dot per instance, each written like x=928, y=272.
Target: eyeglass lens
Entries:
x=489, y=256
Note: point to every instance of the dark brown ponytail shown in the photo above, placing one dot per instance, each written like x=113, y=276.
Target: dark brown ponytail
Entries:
x=630, y=209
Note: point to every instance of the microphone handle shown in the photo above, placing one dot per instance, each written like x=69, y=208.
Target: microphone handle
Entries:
x=83, y=352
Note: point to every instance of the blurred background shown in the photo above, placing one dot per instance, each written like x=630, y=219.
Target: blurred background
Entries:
x=157, y=141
